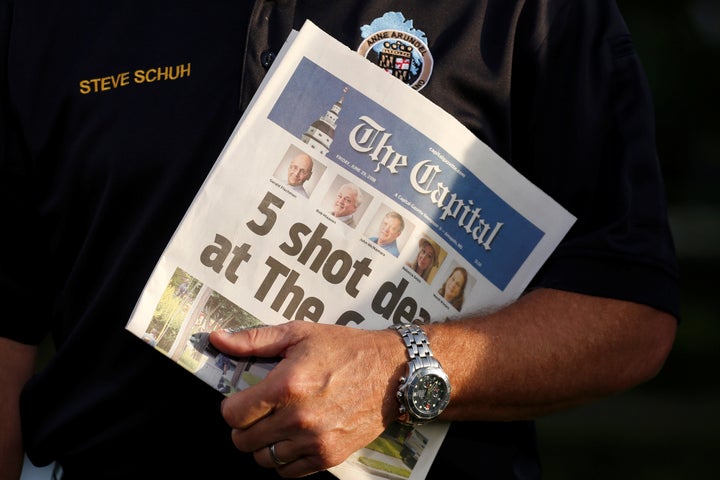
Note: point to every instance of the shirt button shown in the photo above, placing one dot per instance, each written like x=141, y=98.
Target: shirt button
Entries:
x=266, y=58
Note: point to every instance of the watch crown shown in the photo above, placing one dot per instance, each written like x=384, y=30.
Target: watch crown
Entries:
x=403, y=379
x=399, y=395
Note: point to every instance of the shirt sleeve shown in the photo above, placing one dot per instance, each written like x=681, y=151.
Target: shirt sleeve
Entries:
x=27, y=288
x=592, y=147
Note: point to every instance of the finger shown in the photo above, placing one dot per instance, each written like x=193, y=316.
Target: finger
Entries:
x=244, y=409
x=262, y=432
x=274, y=455
x=286, y=460
x=262, y=342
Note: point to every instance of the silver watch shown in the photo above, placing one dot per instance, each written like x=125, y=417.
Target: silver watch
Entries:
x=425, y=390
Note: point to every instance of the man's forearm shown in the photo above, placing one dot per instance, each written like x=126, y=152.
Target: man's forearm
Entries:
x=548, y=351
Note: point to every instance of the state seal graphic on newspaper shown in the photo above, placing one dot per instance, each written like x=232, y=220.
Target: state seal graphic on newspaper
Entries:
x=392, y=43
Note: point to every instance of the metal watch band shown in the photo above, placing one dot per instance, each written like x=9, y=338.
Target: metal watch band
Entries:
x=418, y=347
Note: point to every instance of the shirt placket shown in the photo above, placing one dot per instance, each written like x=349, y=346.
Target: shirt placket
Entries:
x=270, y=24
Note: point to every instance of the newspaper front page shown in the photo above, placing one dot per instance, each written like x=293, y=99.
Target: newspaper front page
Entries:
x=344, y=196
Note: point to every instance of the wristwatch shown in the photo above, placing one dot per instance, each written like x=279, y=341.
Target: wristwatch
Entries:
x=425, y=391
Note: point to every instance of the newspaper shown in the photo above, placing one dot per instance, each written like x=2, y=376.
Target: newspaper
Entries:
x=255, y=250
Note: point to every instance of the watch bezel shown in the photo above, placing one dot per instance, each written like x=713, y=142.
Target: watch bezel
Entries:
x=412, y=414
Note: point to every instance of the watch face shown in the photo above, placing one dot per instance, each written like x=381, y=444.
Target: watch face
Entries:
x=428, y=396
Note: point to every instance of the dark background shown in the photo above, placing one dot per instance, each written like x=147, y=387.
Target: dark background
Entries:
x=668, y=428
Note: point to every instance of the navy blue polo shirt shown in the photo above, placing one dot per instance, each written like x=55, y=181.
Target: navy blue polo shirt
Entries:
x=114, y=112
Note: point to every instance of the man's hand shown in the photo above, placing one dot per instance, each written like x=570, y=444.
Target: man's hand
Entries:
x=332, y=393
x=17, y=362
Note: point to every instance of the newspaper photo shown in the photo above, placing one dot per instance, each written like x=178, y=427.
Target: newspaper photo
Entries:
x=344, y=197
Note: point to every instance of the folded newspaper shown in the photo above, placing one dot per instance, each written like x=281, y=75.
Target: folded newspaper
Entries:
x=344, y=196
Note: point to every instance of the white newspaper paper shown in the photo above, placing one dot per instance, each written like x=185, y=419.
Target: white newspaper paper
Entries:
x=252, y=250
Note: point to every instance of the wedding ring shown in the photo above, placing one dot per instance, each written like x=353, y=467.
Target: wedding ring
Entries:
x=274, y=456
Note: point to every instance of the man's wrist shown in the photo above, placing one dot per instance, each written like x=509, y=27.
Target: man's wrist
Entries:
x=424, y=391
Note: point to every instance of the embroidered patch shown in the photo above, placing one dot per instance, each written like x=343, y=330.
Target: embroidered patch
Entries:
x=392, y=43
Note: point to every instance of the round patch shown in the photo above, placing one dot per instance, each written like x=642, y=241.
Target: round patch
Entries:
x=401, y=51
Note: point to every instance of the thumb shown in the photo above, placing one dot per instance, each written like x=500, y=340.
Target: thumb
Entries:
x=270, y=341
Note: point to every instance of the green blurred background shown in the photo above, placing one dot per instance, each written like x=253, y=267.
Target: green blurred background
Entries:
x=669, y=427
